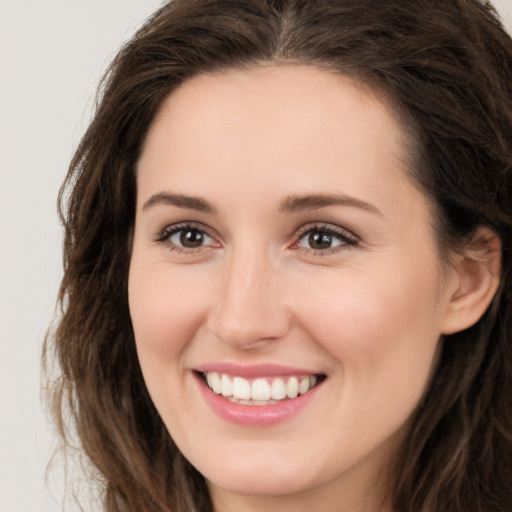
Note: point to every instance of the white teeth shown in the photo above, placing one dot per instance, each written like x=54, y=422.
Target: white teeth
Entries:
x=226, y=386
x=292, y=387
x=304, y=385
x=278, y=389
x=241, y=389
x=260, y=391
x=214, y=382
x=251, y=402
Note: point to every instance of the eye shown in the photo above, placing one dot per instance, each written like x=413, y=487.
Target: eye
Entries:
x=185, y=237
x=190, y=238
x=325, y=239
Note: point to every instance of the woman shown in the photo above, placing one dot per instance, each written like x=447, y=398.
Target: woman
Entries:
x=287, y=261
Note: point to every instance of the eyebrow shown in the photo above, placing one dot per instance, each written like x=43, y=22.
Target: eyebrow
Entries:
x=317, y=201
x=181, y=201
x=289, y=205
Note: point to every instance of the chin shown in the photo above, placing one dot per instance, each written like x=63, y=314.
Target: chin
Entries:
x=266, y=482
x=261, y=475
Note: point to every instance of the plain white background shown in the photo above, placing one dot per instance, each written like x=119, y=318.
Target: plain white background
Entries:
x=52, y=53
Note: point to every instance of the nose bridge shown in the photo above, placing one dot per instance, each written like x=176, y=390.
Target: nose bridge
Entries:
x=249, y=308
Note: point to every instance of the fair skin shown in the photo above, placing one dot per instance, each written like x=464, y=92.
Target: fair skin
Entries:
x=349, y=289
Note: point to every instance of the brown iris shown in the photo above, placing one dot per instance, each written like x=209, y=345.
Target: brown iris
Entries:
x=320, y=240
x=191, y=238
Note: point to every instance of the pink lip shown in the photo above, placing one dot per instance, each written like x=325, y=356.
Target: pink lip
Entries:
x=253, y=371
x=255, y=415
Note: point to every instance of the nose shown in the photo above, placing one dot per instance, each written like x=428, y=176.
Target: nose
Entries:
x=250, y=310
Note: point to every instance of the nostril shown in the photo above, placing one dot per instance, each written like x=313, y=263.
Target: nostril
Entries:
x=247, y=329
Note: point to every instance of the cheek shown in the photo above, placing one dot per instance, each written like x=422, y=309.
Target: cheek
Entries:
x=164, y=315
x=382, y=332
x=165, y=319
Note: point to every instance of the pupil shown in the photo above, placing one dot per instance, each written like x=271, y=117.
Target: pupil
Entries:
x=320, y=240
x=191, y=238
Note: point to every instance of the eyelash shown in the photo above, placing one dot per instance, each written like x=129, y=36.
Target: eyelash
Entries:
x=165, y=235
x=347, y=240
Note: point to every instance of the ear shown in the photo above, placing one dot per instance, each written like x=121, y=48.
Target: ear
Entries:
x=475, y=277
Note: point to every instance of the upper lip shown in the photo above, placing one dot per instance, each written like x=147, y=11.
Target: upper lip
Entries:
x=253, y=371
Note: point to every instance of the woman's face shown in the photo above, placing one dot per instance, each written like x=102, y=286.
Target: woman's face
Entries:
x=280, y=250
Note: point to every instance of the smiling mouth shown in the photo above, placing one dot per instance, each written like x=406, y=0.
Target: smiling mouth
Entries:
x=262, y=390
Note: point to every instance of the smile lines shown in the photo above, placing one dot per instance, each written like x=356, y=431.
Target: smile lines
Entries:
x=260, y=391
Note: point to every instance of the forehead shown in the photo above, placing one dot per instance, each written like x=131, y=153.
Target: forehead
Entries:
x=270, y=93
x=270, y=111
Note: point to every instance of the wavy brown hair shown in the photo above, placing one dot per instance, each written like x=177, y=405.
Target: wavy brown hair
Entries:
x=445, y=66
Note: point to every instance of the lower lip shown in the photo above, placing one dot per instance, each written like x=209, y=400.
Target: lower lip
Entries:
x=255, y=415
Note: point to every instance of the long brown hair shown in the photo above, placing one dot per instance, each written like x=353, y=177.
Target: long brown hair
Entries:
x=445, y=66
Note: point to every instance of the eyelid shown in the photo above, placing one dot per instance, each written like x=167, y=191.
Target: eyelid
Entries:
x=348, y=238
x=164, y=235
